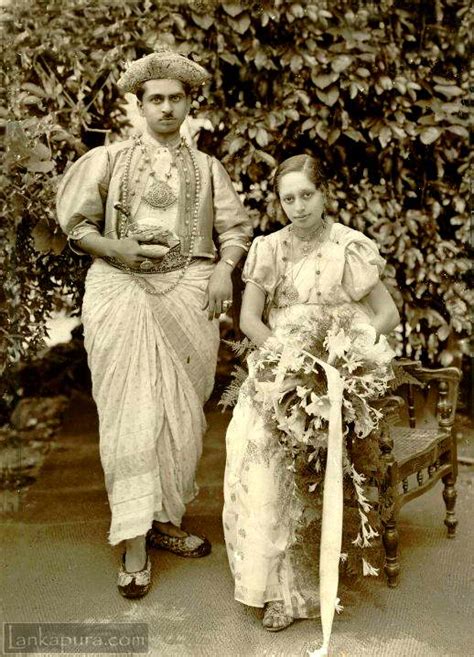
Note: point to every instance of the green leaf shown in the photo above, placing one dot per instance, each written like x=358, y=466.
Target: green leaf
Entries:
x=40, y=166
x=322, y=81
x=16, y=140
x=232, y=8
x=429, y=135
x=236, y=144
x=443, y=331
x=355, y=135
x=450, y=91
x=203, y=20
x=46, y=240
x=242, y=24
x=34, y=89
x=296, y=63
x=266, y=157
x=334, y=136
x=262, y=137
x=385, y=135
x=41, y=151
x=322, y=130
x=330, y=97
x=340, y=63
x=458, y=130
x=230, y=58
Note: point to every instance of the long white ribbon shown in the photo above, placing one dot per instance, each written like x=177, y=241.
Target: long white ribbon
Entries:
x=331, y=529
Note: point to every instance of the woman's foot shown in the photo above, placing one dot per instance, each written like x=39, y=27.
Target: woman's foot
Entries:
x=169, y=529
x=165, y=536
x=275, y=618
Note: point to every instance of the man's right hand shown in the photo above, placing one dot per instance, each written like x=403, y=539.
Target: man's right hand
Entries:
x=128, y=251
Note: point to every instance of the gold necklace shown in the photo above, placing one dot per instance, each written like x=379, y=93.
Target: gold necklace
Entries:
x=308, y=241
x=125, y=216
x=160, y=195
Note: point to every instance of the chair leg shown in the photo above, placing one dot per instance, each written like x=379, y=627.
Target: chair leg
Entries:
x=449, y=496
x=390, y=542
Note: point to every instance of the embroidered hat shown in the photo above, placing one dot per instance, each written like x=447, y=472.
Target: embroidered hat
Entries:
x=163, y=64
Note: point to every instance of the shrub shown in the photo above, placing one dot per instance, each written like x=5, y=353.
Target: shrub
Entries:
x=378, y=90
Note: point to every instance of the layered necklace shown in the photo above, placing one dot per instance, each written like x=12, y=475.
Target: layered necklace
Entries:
x=160, y=195
x=307, y=239
x=288, y=292
x=125, y=214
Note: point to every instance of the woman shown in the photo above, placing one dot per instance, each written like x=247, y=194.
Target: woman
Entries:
x=305, y=269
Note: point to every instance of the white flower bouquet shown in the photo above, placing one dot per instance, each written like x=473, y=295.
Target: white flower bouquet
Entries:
x=288, y=384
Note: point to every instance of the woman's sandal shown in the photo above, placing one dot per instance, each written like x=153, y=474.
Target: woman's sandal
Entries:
x=135, y=584
x=186, y=546
x=275, y=617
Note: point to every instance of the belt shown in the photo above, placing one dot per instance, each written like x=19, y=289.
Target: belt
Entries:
x=171, y=261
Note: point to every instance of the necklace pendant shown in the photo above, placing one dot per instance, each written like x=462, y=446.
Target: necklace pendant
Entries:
x=160, y=195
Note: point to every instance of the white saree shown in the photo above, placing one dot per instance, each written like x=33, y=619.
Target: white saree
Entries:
x=270, y=555
x=152, y=360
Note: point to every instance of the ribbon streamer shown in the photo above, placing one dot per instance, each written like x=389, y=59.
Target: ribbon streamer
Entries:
x=331, y=529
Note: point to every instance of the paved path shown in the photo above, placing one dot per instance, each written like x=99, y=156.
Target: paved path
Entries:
x=58, y=567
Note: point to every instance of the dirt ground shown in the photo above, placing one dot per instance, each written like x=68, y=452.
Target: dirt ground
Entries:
x=58, y=567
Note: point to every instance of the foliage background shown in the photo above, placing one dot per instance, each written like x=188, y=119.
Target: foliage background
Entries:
x=378, y=89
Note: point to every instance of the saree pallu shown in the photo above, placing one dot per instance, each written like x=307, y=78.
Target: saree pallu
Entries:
x=152, y=361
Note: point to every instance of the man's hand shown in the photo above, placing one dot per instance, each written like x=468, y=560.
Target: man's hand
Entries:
x=129, y=252
x=219, y=290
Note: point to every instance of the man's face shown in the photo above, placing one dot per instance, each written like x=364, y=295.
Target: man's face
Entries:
x=164, y=106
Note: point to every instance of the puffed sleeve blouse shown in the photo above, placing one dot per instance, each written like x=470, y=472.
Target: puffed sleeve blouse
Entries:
x=260, y=266
x=343, y=269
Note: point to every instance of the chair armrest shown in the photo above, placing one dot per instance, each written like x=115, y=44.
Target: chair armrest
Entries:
x=447, y=379
x=390, y=407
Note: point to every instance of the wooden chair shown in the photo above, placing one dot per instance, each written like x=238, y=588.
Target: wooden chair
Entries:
x=418, y=448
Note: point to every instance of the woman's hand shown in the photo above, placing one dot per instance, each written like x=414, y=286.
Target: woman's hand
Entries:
x=385, y=314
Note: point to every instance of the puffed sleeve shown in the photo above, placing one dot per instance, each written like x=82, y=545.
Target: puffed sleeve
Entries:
x=80, y=201
x=363, y=266
x=260, y=266
x=231, y=221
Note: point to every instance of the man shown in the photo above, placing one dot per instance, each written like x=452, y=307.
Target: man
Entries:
x=146, y=209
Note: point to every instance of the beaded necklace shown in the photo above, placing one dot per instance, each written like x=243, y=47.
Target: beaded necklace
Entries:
x=124, y=209
x=309, y=242
x=160, y=195
x=288, y=293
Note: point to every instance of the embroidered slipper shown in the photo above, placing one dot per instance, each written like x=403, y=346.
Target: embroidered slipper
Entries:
x=135, y=584
x=275, y=617
x=187, y=546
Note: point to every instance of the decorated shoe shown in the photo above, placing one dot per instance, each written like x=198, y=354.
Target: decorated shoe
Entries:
x=275, y=617
x=186, y=546
x=135, y=584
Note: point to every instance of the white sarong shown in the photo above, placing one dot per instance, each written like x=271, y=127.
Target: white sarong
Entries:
x=152, y=360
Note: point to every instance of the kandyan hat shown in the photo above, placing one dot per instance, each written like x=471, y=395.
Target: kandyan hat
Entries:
x=164, y=64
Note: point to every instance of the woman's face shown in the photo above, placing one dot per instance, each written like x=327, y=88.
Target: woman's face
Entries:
x=301, y=200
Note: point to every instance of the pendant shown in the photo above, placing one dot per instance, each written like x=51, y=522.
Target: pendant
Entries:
x=286, y=294
x=160, y=195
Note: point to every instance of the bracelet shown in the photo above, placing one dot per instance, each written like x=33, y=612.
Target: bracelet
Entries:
x=229, y=262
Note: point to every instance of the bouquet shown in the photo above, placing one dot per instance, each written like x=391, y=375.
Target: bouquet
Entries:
x=288, y=384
